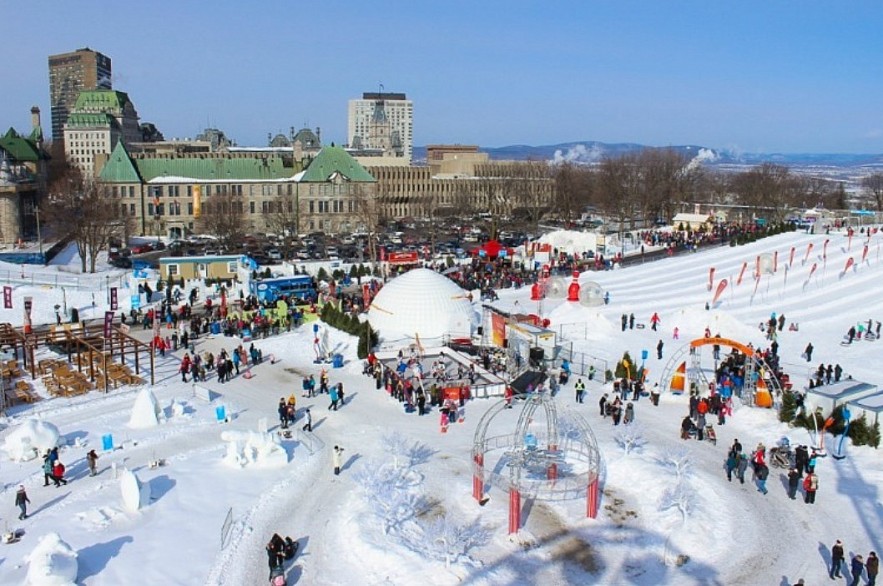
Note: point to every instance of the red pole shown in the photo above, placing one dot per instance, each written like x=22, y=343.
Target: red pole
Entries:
x=477, y=482
x=592, y=500
x=514, y=510
x=552, y=470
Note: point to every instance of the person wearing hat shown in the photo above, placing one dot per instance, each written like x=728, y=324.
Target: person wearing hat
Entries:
x=857, y=567
x=308, y=426
x=836, y=559
x=21, y=501
x=336, y=459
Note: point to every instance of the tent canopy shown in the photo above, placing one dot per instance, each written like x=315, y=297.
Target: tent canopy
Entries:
x=492, y=249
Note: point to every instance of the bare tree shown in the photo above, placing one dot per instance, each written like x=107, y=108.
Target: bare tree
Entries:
x=619, y=185
x=366, y=214
x=529, y=185
x=84, y=210
x=574, y=188
x=768, y=190
x=223, y=217
x=872, y=189
x=282, y=219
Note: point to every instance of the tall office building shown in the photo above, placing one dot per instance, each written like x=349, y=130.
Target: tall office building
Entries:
x=382, y=122
x=69, y=74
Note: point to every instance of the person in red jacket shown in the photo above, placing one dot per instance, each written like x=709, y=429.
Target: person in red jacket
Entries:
x=58, y=474
x=810, y=486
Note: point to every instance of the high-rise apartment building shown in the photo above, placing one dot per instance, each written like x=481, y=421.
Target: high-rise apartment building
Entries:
x=69, y=74
x=382, y=122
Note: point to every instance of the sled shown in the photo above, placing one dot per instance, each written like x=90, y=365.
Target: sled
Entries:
x=639, y=326
x=710, y=434
x=13, y=536
x=277, y=577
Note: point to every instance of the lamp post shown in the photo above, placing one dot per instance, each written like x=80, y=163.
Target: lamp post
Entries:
x=39, y=236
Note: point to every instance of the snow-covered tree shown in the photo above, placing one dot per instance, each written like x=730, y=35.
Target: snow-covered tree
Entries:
x=681, y=497
x=405, y=453
x=443, y=539
x=631, y=437
x=680, y=461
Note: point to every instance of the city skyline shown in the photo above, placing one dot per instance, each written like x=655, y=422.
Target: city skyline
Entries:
x=753, y=76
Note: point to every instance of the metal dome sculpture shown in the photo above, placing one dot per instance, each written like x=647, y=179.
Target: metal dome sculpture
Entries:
x=547, y=456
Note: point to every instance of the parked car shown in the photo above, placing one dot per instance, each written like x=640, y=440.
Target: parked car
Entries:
x=274, y=254
x=141, y=248
x=121, y=262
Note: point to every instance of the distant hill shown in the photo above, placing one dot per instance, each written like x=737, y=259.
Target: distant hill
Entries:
x=591, y=151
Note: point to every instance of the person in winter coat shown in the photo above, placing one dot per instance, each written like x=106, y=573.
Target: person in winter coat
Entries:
x=340, y=394
x=47, y=470
x=762, y=472
x=807, y=353
x=337, y=459
x=92, y=461
x=836, y=559
x=793, y=483
x=21, y=501
x=629, y=414
x=810, y=486
x=602, y=403
x=185, y=367
x=334, y=398
x=283, y=413
x=872, y=567
x=659, y=350
x=731, y=463
x=275, y=552
x=856, y=567
x=58, y=474
x=741, y=468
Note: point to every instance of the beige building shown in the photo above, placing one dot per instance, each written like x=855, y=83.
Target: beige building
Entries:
x=199, y=267
x=98, y=121
x=69, y=74
x=381, y=124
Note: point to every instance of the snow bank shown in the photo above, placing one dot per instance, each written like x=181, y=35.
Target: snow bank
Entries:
x=253, y=448
x=570, y=241
x=30, y=439
x=136, y=495
x=146, y=412
x=52, y=563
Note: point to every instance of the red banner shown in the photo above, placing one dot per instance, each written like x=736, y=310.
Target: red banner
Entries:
x=710, y=278
x=812, y=270
x=825, y=249
x=402, y=258
x=7, y=297
x=757, y=267
x=791, y=259
x=382, y=253
x=808, y=250
x=849, y=262
x=720, y=290
x=742, y=273
x=114, y=304
x=865, y=253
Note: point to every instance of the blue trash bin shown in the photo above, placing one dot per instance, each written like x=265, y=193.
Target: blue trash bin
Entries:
x=337, y=361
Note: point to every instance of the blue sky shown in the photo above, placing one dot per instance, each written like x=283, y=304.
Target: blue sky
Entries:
x=754, y=76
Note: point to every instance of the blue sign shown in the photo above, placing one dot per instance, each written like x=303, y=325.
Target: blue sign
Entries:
x=136, y=301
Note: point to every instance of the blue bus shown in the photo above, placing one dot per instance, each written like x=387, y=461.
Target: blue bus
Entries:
x=271, y=290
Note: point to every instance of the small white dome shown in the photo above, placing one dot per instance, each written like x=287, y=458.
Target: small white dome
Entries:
x=422, y=303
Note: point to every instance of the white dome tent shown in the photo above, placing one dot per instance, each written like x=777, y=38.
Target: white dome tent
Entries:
x=422, y=303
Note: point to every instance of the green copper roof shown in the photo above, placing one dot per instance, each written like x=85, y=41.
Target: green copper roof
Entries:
x=331, y=160
x=100, y=101
x=19, y=148
x=119, y=167
x=91, y=120
x=215, y=169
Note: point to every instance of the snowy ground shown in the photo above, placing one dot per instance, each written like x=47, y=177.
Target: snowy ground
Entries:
x=736, y=535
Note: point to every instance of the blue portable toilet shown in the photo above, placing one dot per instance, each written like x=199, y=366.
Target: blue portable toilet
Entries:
x=644, y=354
x=337, y=361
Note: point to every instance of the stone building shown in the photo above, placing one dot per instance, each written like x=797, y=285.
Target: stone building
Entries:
x=272, y=191
x=98, y=121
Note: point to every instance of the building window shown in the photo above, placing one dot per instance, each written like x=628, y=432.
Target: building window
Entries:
x=311, y=208
x=251, y=207
x=131, y=191
x=189, y=208
x=173, y=270
x=231, y=266
x=131, y=209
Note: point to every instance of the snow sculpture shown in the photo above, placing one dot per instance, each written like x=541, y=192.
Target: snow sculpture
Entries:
x=52, y=563
x=253, y=448
x=30, y=439
x=178, y=408
x=146, y=412
x=136, y=495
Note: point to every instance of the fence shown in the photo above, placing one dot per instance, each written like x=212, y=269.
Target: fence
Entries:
x=86, y=282
x=309, y=440
x=225, y=527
